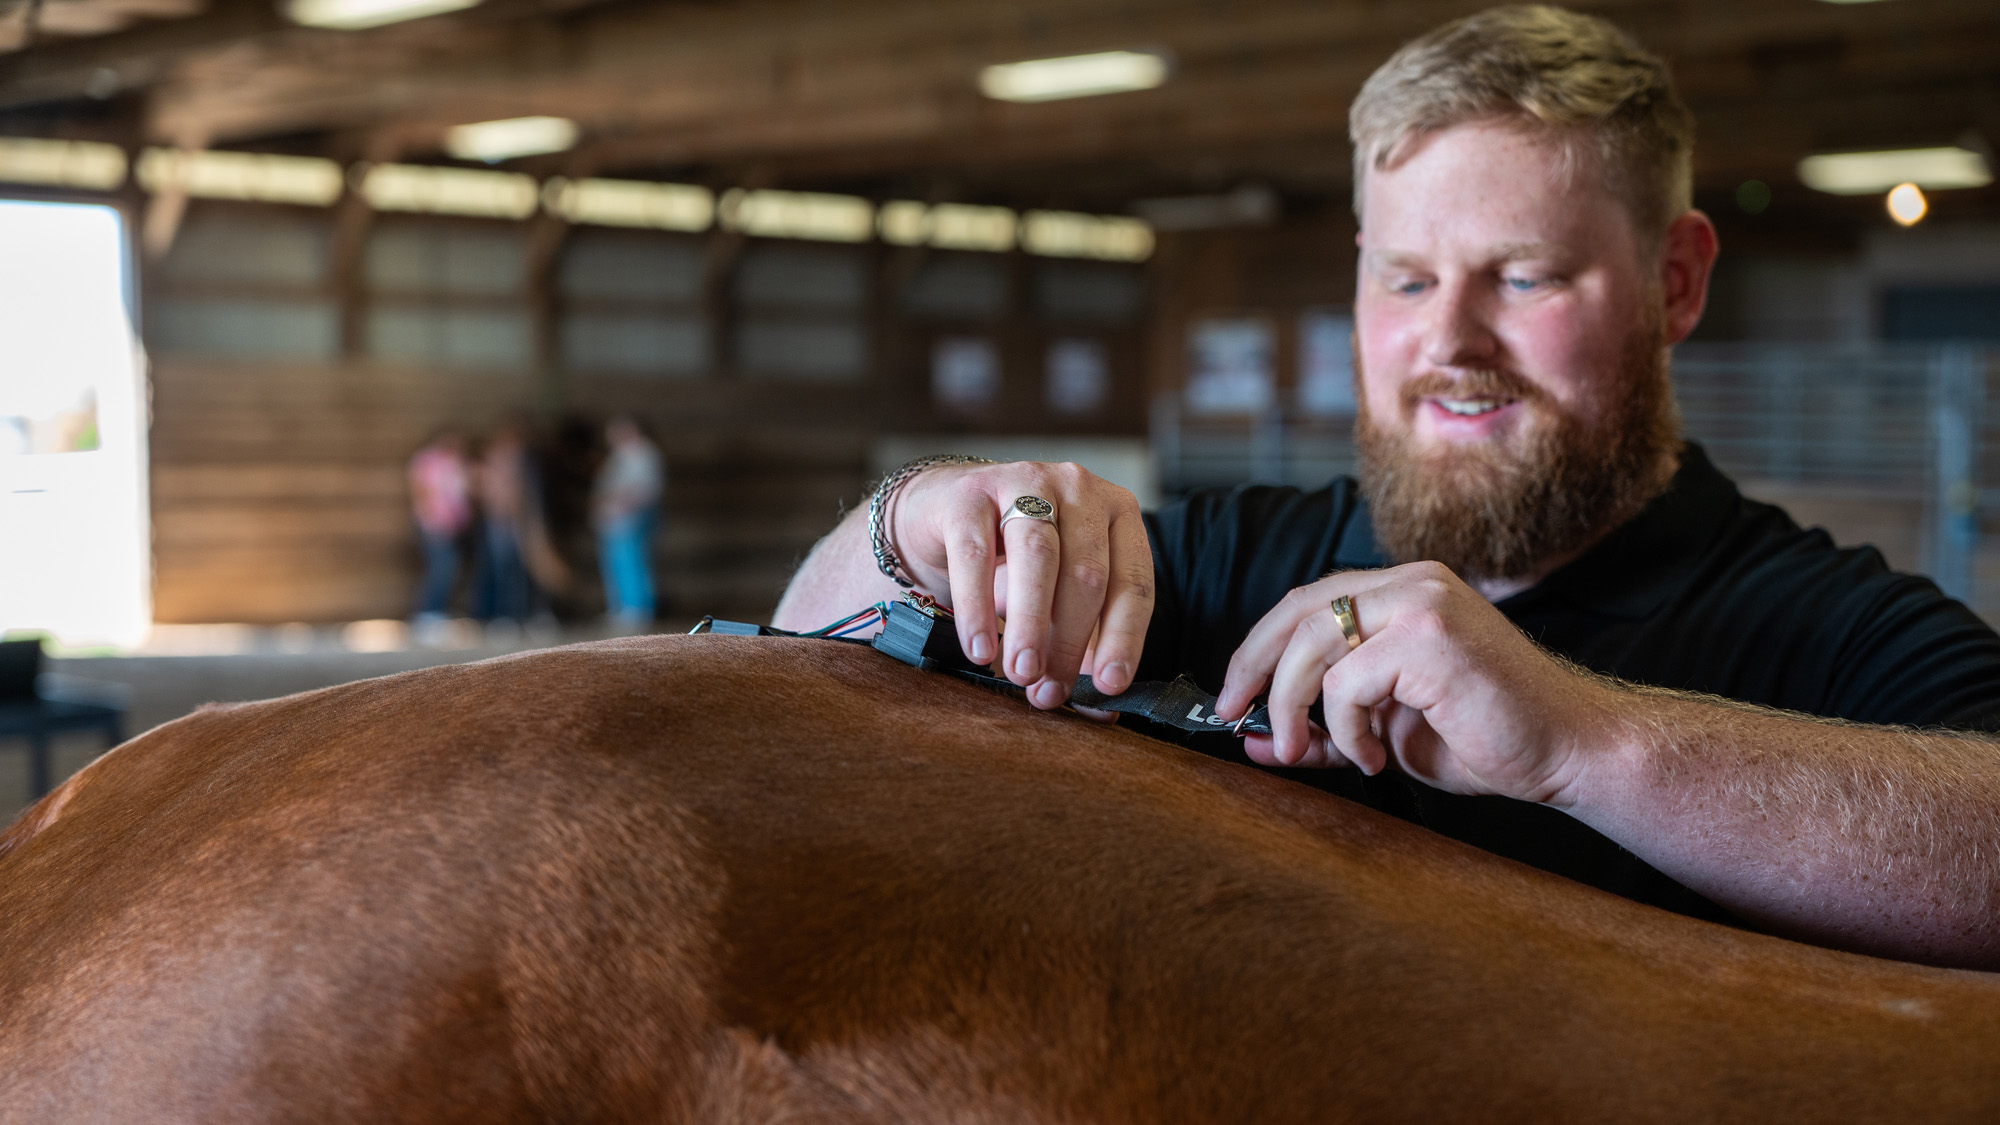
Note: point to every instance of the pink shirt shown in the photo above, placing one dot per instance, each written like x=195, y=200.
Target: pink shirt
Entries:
x=440, y=491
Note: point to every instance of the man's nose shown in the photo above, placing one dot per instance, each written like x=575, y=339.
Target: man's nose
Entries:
x=1459, y=332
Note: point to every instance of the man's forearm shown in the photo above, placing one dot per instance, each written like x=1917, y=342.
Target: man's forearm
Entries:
x=837, y=578
x=1874, y=839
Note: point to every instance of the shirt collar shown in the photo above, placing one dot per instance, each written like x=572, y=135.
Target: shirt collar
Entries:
x=1631, y=572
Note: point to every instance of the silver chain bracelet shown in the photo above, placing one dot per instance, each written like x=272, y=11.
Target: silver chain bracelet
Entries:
x=878, y=529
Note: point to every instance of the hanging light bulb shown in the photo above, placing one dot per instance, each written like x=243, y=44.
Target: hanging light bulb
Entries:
x=1907, y=204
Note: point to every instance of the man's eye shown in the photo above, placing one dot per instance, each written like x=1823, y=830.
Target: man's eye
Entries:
x=1525, y=284
x=1407, y=288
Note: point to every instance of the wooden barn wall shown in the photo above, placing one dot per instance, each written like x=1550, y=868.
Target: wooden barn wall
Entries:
x=299, y=357
x=279, y=494
x=1276, y=273
x=278, y=491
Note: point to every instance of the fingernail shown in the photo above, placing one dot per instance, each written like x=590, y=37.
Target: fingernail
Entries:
x=1114, y=678
x=1027, y=663
x=981, y=649
x=1046, y=694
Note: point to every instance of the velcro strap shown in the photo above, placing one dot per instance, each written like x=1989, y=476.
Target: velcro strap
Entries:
x=1178, y=703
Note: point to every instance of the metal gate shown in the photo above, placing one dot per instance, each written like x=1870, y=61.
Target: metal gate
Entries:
x=1896, y=424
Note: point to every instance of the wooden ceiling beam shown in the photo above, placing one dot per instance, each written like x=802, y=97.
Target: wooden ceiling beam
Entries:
x=148, y=54
x=885, y=88
x=61, y=71
x=1305, y=108
x=724, y=80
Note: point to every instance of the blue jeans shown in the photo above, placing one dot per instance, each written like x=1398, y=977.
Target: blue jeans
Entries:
x=440, y=573
x=502, y=589
x=624, y=549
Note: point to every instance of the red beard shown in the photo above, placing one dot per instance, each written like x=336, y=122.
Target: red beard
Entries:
x=1507, y=510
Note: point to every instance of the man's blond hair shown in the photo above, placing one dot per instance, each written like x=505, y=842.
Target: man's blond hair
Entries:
x=1576, y=77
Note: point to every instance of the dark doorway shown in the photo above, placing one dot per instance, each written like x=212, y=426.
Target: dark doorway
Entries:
x=1942, y=312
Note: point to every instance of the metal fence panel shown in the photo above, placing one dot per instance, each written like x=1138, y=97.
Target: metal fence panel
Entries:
x=1889, y=423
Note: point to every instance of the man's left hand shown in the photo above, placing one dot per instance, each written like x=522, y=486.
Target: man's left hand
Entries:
x=1441, y=682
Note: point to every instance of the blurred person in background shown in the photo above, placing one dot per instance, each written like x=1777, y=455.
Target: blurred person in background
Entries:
x=441, y=502
x=566, y=465
x=503, y=590
x=519, y=565
x=624, y=508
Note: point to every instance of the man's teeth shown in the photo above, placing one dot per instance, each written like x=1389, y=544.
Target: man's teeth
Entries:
x=1468, y=407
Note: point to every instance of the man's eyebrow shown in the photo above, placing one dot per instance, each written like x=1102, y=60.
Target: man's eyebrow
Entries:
x=1513, y=251
x=1391, y=258
x=1504, y=252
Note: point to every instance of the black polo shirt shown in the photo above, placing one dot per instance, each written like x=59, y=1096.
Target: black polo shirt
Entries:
x=1703, y=591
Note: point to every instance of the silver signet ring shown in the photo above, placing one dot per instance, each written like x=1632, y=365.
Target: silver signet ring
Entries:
x=1030, y=508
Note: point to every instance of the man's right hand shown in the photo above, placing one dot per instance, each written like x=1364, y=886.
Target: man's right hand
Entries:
x=1081, y=587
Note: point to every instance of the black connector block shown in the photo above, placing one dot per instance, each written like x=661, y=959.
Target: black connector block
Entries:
x=922, y=640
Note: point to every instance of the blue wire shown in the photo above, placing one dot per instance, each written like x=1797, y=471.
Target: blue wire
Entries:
x=871, y=618
x=853, y=621
x=828, y=630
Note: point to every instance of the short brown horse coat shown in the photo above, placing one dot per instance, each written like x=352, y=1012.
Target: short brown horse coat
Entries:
x=741, y=880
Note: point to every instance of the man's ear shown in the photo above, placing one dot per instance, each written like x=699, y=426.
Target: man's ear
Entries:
x=1687, y=257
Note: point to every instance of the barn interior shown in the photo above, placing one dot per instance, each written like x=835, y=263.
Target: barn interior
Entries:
x=800, y=241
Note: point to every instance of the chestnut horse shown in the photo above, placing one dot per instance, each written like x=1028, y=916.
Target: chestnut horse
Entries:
x=717, y=879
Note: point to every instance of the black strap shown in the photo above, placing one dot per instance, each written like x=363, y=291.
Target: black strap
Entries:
x=1179, y=703
x=923, y=638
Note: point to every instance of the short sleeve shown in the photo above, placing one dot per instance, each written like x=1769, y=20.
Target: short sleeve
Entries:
x=1910, y=655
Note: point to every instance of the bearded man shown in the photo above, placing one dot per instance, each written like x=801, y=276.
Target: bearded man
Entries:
x=1795, y=735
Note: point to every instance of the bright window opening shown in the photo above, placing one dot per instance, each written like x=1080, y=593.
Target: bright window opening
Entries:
x=74, y=543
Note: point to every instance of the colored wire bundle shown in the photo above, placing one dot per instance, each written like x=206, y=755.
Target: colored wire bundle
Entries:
x=852, y=623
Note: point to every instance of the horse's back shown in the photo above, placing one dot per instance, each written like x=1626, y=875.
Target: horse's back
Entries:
x=741, y=879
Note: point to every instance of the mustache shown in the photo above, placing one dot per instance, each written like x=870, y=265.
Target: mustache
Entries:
x=1473, y=383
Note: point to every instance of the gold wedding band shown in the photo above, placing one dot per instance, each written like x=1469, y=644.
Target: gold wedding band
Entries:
x=1343, y=612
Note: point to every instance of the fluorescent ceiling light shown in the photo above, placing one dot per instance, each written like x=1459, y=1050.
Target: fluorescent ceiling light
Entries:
x=494, y=141
x=450, y=191
x=1067, y=234
x=254, y=176
x=1055, y=234
x=947, y=226
x=631, y=203
x=72, y=164
x=962, y=226
x=1073, y=76
x=352, y=15
x=1865, y=173
x=797, y=214
x=904, y=222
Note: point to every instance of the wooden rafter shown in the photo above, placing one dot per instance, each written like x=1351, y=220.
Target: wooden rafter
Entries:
x=880, y=89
